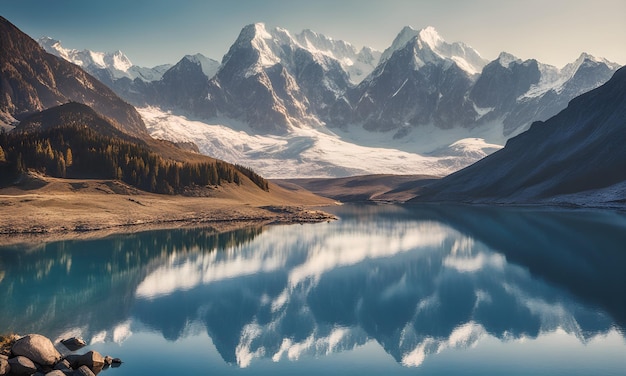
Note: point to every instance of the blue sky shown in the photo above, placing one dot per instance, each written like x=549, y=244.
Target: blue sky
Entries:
x=152, y=32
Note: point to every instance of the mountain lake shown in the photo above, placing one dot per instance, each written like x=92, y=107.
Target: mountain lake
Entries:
x=420, y=290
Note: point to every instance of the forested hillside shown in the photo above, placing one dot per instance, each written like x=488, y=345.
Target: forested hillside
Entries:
x=72, y=141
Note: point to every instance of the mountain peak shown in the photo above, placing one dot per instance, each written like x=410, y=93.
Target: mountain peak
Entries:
x=584, y=56
x=431, y=37
x=404, y=36
x=254, y=31
x=506, y=59
x=430, y=47
x=209, y=66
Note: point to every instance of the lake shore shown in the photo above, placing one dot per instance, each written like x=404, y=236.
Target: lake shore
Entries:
x=47, y=209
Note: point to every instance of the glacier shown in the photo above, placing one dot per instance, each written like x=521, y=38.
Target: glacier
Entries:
x=319, y=152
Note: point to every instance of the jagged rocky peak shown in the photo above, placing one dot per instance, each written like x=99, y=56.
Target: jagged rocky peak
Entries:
x=430, y=36
x=318, y=42
x=368, y=55
x=260, y=47
x=505, y=59
x=209, y=66
x=427, y=37
x=429, y=47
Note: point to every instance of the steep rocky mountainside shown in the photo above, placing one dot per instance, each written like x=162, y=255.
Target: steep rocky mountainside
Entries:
x=32, y=80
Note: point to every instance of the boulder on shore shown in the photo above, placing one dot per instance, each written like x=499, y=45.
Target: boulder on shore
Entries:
x=92, y=359
x=37, y=348
x=73, y=343
x=21, y=365
x=83, y=371
x=5, y=367
x=35, y=355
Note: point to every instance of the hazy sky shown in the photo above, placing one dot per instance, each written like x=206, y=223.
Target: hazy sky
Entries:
x=152, y=32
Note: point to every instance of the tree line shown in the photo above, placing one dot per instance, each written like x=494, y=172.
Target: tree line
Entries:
x=76, y=151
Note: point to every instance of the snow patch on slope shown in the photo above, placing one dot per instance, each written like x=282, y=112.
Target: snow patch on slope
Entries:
x=315, y=152
x=555, y=79
x=209, y=66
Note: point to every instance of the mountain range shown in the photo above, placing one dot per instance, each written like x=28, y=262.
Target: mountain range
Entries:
x=290, y=97
x=574, y=157
x=66, y=123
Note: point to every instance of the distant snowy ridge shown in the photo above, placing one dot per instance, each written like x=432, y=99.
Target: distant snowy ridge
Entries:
x=118, y=64
x=358, y=64
x=553, y=78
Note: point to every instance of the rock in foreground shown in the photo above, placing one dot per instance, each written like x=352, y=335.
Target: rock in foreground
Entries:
x=36, y=354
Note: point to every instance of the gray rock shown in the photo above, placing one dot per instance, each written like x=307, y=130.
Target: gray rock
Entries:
x=63, y=365
x=37, y=348
x=83, y=371
x=5, y=367
x=55, y=372
x=73, y=343
x=21, y=365
x=92, y=359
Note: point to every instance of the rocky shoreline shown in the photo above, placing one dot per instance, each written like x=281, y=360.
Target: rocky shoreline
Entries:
x=34, y=354
x=218, y=221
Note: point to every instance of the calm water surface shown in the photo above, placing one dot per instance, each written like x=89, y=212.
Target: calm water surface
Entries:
x=432, y=290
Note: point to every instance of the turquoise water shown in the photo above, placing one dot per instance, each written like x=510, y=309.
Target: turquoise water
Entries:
x=427, y=290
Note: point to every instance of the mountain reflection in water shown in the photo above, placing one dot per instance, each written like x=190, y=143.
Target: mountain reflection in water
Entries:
x=416, y=280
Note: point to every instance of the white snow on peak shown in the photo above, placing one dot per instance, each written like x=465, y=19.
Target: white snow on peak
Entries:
x=570, y=69
x=118, y=64
x=261, y=31
x=406, y=34
x=358, y=64
x=267, y=43
x=118, y=61
x=553, y=78
x=313, y=41
x=430, y=47
x=275, y=44
x=506, y=59
x=209, y=66
x=430, y=36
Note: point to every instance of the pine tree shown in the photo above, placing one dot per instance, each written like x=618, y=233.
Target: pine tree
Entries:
x=69, y=158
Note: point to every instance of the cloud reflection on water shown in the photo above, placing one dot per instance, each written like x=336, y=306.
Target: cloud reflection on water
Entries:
x=417, y=281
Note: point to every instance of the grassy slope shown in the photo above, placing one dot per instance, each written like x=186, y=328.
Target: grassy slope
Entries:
x=62, y=207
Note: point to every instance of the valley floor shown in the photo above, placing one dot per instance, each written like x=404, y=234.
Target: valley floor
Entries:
x=46, y=209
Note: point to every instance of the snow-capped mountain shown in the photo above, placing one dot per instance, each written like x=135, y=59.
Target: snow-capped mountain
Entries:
x=518, y=92
x=430, y=47
x=209, y=66
x=357, y=64
x=576, y=156
x=304, y=94
x=115, y=64
x=421, y=80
